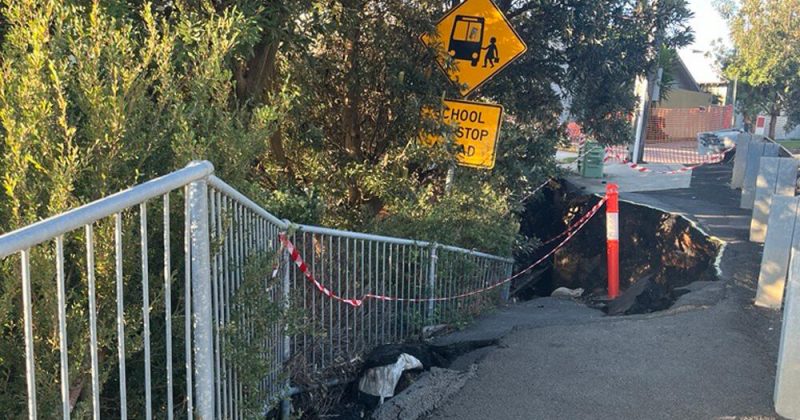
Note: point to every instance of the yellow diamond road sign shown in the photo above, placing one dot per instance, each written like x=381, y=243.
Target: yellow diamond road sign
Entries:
x=477, y=132
x=479, y=39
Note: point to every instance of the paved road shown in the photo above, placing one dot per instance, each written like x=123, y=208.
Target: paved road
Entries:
x=712, y=358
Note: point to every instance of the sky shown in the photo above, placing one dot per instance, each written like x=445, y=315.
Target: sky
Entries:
x=708, y=26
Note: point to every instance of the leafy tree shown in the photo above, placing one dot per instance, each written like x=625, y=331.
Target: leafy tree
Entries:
x=766, y=55
x=311, y=107
x=92, y=100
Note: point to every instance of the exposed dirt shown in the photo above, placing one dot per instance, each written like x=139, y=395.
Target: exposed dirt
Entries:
x=346, y=402
x=662, y=246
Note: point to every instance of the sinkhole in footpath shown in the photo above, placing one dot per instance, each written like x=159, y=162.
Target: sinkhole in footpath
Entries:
x=664, y=251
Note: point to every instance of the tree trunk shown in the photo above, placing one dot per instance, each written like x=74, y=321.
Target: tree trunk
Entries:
x=350, y=112
x=257, y=78
x=774, y=112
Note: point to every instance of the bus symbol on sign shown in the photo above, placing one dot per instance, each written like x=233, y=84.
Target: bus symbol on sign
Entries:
x=466, y=39
x=469, y=32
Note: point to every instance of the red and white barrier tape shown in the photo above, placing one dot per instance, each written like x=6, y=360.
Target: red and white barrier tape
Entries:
x=536, y=190
x=612, y=155
x=301, y=265
x=578, y=223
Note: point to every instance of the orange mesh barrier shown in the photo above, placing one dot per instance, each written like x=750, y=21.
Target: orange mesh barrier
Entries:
x=668, y=125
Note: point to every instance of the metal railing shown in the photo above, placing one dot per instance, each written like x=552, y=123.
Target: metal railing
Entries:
x=232, y=355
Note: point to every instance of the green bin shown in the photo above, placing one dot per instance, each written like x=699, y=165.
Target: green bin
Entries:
x=590, y=164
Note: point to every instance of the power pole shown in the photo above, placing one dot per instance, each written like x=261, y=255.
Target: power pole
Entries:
x=735, y=89
x=647, y=99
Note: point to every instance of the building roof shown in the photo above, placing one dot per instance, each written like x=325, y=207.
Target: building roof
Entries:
x=683, y=77
x=702, y=67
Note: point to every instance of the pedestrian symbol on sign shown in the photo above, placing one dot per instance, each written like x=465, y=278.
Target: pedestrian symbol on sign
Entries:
x=491, y=53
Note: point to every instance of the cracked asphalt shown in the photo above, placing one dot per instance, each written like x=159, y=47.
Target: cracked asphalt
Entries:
x=711, y=356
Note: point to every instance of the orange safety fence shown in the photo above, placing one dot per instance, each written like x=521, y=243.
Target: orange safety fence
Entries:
x=669, y=125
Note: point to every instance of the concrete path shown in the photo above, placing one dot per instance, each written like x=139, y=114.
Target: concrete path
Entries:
x=714, y=357
x=630, y=180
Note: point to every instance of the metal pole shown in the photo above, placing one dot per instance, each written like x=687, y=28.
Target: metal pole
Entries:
x=286, y=403
x=735, y=91
x=432, y=281
x=201, y=301
x=30, y=363
x=448, y=182
x=652, y=83
x=612, y=239
x=506, y=290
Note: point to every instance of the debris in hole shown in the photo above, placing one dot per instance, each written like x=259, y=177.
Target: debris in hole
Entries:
x=431, y=330
x=380, y=381
x=424, y=395
x=566, y=292
x=644, y=296
x=652, y=242
x=382, y=374
x=525, y=287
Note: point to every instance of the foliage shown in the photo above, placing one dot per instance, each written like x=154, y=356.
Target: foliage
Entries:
x=310, y=107
x=256, y=311
x=608, y=44
x=94, y=99
x=766, y=38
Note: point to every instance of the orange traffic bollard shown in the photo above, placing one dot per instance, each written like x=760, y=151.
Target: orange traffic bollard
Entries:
x=612, y=239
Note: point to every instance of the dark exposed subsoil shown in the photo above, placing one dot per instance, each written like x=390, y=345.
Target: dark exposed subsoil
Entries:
x=663, y=247
x=345, y=402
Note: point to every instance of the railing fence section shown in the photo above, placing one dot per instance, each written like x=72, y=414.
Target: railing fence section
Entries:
x=125, y=284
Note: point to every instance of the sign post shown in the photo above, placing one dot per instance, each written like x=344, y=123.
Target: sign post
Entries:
x=479, y=40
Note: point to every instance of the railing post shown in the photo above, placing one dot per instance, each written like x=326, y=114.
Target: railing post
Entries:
x=612, y=239
x=505, y=295
x=286, y=403
x=203, y=333
x=432, y=281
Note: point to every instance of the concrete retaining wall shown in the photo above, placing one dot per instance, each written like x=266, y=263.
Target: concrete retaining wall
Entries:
x=787, y=377
x=776, y=177
x=777, y=247
x=755, y=152
x=740, y=159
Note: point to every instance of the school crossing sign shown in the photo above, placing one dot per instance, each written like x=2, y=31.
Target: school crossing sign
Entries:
x=477, y=131
x=480, y=41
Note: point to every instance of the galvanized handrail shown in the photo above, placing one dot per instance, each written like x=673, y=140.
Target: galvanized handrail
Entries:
x=231, y=192
x=224, y=232
x=395, y=240
x=49, y=228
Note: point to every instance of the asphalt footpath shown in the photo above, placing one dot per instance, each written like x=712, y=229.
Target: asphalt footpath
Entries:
x=711, y=356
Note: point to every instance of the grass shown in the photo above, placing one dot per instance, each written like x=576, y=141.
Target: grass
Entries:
x=791, y=144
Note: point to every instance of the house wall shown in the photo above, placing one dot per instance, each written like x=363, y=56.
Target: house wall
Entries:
x=780, y=129
x=682, y=78
x=722, y=91
x=682, y=98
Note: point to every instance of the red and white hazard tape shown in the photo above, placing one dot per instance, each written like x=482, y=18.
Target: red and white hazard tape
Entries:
x=301, y=265
x=614, y=155
x=536, y=190
x=578, y=224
